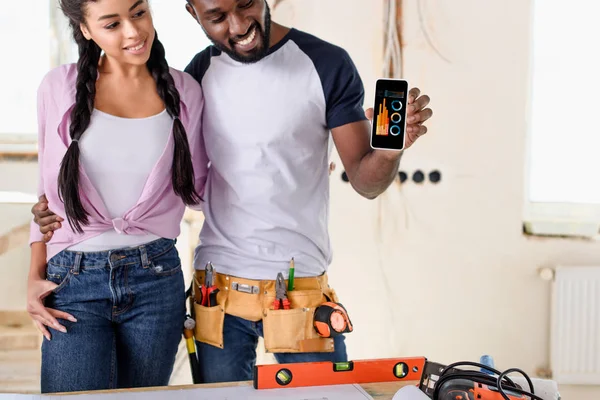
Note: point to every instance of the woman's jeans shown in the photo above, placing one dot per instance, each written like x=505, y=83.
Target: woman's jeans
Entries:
x=130, y=309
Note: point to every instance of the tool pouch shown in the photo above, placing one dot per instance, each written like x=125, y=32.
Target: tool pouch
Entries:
x=209, y=320
x=285, y=331
x=292, y=331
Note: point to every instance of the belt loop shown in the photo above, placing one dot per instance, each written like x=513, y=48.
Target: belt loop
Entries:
x=144, y=257
x=77, y=263
x=321, y=279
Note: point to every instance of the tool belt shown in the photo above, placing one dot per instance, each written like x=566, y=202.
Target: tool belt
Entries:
x=285, y=330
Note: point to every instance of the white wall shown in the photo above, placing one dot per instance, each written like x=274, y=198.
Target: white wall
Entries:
x=14, y=265
x=444, y=270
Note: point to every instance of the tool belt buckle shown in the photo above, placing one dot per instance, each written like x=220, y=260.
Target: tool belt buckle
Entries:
x=244, y=288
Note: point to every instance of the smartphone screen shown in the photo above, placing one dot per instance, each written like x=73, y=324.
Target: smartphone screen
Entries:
x=389, y=121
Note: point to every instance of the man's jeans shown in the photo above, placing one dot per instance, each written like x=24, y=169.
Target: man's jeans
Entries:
x=236, y=361
x=130, y=309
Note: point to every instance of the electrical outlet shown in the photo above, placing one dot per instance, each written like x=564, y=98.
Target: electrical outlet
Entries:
x=403, y=177
x=417, y=177
x=435, y=176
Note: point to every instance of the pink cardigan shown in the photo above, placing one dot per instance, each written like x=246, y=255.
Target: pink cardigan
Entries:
x=158, y=211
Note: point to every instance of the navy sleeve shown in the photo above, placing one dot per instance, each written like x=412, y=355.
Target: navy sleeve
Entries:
x=344, y=92
x=342, y=86
x=200, y=63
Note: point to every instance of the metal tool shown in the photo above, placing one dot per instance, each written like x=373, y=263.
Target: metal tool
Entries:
x=244, y=288
x=208, y=291
x=188, y=334
x=281, y=301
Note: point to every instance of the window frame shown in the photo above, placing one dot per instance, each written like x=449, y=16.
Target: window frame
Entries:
x=19, y=145
x=554, y=219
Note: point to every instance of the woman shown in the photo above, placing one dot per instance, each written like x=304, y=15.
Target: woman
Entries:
x=120, y=155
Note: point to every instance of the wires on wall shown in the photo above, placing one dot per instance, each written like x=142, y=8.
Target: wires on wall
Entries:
x=393, y=53
x=392, y=56
x=425, y=33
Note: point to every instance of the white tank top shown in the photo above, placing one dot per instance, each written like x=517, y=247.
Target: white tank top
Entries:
x=118, y=155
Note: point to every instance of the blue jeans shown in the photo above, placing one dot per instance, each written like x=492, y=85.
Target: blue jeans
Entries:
x=130, y=309
x=236, y=360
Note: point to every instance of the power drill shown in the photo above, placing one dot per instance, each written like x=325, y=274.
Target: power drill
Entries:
x=463, y=389
x=459, y=388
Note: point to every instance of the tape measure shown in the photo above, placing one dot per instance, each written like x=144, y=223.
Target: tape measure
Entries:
x=331, y=319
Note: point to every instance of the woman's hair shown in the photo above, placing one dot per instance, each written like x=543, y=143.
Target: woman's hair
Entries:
x=182, y=174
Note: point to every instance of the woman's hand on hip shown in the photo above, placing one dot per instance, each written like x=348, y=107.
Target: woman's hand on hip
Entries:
x=37, y=290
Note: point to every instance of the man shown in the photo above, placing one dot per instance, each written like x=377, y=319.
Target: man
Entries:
x=272, y=97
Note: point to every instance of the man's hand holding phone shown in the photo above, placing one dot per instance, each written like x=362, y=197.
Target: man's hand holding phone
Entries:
x=416, y=115
x=397, y=129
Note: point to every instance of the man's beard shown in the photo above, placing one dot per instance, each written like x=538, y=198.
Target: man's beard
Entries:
x=257, y=53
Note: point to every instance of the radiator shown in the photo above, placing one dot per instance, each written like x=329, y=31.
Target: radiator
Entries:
x=575, y=326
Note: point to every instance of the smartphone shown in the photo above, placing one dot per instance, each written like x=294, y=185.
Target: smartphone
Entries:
x=389, y=120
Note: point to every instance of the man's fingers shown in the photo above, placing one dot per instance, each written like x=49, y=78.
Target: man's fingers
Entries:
x=420, y=117
x=46, y=238
x=61, y=315
x=426, y=114
x=42, y=329
x=41, y=210
x=39, y=206
x=43, y=213
x=413, y=132
x=49, y=224
x=48, y=217
x=417, y=106
x=417, y=129
x=422, y=102
x=413, y=94
x=369, y=113
x=37, y=209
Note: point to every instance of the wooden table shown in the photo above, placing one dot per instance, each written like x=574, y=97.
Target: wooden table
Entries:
x=385, y=390
x=379, y=391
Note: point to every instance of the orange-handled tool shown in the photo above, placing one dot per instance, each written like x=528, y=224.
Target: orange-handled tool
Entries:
x=281, y=301
x=188, y=334
x=209, y=291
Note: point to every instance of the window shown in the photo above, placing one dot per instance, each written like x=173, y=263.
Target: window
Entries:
x=29, y=35
x=42, y=40
x=563, y=176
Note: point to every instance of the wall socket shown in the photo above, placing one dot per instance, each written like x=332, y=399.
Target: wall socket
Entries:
x=418, y=176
